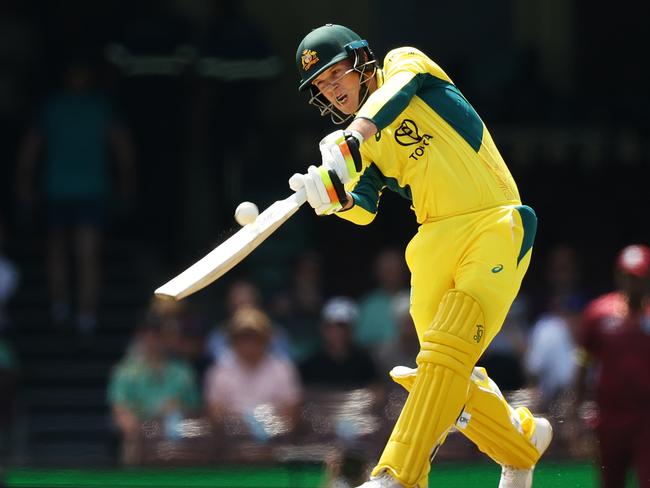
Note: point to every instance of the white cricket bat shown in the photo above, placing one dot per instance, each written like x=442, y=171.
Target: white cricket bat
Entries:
x=231, y=251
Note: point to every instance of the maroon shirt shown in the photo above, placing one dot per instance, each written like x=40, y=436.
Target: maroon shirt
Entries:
x=620, y=343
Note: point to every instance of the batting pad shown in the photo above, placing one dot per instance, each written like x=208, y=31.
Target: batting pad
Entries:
x=497, y=429
x=449, y=350
x=506, y=444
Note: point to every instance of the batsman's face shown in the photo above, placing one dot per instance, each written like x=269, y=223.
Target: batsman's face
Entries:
x=340, y=85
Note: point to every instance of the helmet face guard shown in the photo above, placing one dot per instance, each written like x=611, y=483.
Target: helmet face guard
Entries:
x=364, y=63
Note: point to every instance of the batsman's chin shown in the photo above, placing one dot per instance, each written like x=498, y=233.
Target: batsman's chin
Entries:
x=346, y=108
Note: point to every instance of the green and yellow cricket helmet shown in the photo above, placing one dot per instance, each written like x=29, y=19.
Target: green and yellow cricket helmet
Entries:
x=324, y=47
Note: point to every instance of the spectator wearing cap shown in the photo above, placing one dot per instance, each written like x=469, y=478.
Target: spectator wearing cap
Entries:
x=242, y=294
x=149, y=385
x=615, y=335
x=338, y=362
x=251, y=376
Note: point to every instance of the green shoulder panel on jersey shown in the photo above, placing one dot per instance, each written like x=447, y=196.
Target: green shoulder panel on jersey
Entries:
x=367, y=192
x=397, y=103
x=448, y=102
x=444, y=98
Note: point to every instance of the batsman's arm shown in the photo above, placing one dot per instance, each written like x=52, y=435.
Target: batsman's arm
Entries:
x=365, y=127
x=364, y=197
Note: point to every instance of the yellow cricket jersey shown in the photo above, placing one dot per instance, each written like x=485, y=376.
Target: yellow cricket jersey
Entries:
x=432, y=147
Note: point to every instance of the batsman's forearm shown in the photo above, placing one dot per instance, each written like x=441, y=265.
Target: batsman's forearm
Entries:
x=365, y=127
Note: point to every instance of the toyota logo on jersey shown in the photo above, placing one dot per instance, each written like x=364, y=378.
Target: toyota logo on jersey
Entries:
x=407, y=133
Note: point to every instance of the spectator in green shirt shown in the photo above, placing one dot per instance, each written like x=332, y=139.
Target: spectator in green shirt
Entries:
x=147, y=384
x=65, y=163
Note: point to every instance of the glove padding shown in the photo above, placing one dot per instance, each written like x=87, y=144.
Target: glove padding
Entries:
x=323, y=187
x=340, y=152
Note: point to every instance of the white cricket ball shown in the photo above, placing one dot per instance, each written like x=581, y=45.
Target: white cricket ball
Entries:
x=246, y=213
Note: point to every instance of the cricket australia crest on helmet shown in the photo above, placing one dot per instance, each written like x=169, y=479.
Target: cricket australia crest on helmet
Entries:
x=308, y=59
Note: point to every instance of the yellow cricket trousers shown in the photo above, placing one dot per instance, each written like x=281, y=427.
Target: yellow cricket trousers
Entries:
x=466, y=271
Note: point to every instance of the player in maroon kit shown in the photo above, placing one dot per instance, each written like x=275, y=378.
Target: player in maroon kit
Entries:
x=615, y=335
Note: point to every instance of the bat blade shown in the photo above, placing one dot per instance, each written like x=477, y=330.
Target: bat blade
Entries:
x=232, y=251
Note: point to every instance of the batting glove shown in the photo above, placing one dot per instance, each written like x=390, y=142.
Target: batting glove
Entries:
x=340, y=152
x=323, y=187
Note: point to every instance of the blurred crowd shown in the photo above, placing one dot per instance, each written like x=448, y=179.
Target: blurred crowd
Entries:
x=567, y=358
x=270, y=351
x=265, y=352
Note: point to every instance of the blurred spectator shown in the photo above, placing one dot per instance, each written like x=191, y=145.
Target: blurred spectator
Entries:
x=615, y=335
x=240, y=294
x=182, y=333
x=147, y=384
x=239, y=383
x=8, y=385
x=403, y=350
x=339, y=363
x=74, y=132
x=243, y=294
x=504, y=356
x=8, y=282
x=376, y=322
x=298, y=307
x=551, y=356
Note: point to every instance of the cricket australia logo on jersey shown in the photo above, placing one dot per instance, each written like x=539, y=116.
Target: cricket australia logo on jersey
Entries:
x=408, y=134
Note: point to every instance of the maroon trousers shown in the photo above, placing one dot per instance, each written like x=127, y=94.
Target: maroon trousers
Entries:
x=624, y=443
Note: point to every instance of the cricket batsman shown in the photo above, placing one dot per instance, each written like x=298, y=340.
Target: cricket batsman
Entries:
x=410, y=130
